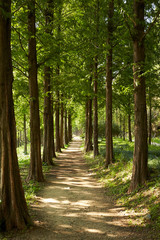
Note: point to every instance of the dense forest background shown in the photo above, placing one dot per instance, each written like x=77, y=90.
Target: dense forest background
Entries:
x=89, y=68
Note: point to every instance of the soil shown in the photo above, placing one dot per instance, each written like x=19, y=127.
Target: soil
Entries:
x=72, y=205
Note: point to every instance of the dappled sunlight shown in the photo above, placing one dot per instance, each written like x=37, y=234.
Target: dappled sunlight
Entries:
x=94, y=231
x=49, y=200
x=75, y=205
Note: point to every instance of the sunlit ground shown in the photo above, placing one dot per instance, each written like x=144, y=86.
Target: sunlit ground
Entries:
x=74, y=206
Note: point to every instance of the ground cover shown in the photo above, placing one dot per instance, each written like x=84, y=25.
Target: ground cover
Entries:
x=116, y=180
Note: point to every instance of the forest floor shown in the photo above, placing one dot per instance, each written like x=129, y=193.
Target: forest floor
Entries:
x=72, y=205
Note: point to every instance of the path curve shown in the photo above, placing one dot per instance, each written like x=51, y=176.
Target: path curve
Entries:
x=73, y=206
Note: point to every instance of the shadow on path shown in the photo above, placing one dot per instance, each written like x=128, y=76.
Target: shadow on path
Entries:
x=73, y=206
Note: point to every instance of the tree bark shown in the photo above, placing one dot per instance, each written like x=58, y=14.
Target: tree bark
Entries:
x=66, y=128
x=48, y=118
x=109, y=77
x=129, y=128
x=14, y=213
x=35, y=171
x=150, y=121
x=62, y=125
x=58, y=147
x=25, y=135
x=52, y=130
x=48, y=150
x=89, y=145
x=95, y=108
x=95, y=88
x=69, y=126
x=86, y=123
x=140, y=157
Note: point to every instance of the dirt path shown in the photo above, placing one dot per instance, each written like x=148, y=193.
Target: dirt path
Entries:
x=73, y=206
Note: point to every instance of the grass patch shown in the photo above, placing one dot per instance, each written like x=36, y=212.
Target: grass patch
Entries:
x=116, y=179
x=30, y=187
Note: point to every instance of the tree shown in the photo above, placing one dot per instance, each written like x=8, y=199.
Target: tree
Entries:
x=89, y=128
x=95, y=100
x=66, y=128
x=25, y=135
x=140, y=157
x=14, y=213
x=48, y=150
x=69, y=126
x=58, y=146
x=62, y=124
x=109, y=77
x=35, y=171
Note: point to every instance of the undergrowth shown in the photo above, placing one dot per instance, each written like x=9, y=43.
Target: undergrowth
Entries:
x=30, y=187
x=145, y=200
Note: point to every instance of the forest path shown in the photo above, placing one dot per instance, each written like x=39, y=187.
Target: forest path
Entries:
x=73, y=206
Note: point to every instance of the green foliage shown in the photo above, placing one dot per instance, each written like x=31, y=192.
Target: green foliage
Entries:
x=30, y=187
x=101, y=130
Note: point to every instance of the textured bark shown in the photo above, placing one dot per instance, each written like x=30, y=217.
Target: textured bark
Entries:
x=86, y=123
x=140, y=157
x=109, y=77
x=25, y=135
x=58, y=147
x=14, y=213
x=69, y=126
x=89, y=145
x=35, y=171
x=48, y=118
x=62, y=126
x=150, y=121
x=95, y=89
x=95, y=111
x=129, y=128
x=48, y=150
x=52, y=130
x=66, y=128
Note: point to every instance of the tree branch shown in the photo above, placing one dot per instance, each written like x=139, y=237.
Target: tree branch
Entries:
x=151, y=25
x=19, y=35
x=128, y=24
x=20, y=71
x=23, y=72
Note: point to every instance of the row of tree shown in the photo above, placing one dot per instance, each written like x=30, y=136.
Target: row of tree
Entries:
x=67, y=55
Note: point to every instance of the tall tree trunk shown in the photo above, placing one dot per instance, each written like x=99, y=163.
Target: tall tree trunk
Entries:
x=89, y=145
x=66, y=128
x=14, y=213
x=69, y=126
x=52, y=131
x=95, y=109
x=129, y=128
x=86, y=123
x=62, y=125
x=95, y=100
x=48, y=125
x=20, y=137
x=48, y=111
x=58, y=147
x=25, y=135
x=140, y=157
x=109, y=140
x=35, y=171
x=150, y=121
